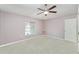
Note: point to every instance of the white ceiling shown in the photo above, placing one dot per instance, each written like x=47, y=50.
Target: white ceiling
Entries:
x=31, y=10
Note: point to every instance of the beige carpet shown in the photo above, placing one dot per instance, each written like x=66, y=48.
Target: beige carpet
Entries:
x=41, y=46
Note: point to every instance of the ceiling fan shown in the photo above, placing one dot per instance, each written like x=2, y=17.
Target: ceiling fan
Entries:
x=46, y=11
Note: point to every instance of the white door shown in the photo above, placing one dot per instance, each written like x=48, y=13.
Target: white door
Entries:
x=70, y=30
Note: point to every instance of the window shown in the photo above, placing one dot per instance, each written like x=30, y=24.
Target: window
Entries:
x=29, y=28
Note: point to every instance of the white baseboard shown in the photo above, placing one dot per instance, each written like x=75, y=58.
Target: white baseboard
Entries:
x=54, y=36
x=32, y=37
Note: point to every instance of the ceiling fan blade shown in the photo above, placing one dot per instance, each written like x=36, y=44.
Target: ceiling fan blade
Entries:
x=41, y=9
x=52, y=7
x=40, y=13
x=53, y=11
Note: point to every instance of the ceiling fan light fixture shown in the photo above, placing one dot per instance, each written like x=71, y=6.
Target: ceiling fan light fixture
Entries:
x=46, y=12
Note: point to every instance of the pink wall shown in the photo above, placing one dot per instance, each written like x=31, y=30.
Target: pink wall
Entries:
x=55, y=27
x=43, y=27
x=12, y=27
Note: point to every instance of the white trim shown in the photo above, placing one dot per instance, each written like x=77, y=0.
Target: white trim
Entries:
x=32, y=37
x=54, y=36
x=18, y=41
x=57, y=37
x=6, y=44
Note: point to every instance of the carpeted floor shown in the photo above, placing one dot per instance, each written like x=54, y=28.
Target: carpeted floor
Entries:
x=41, y=46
